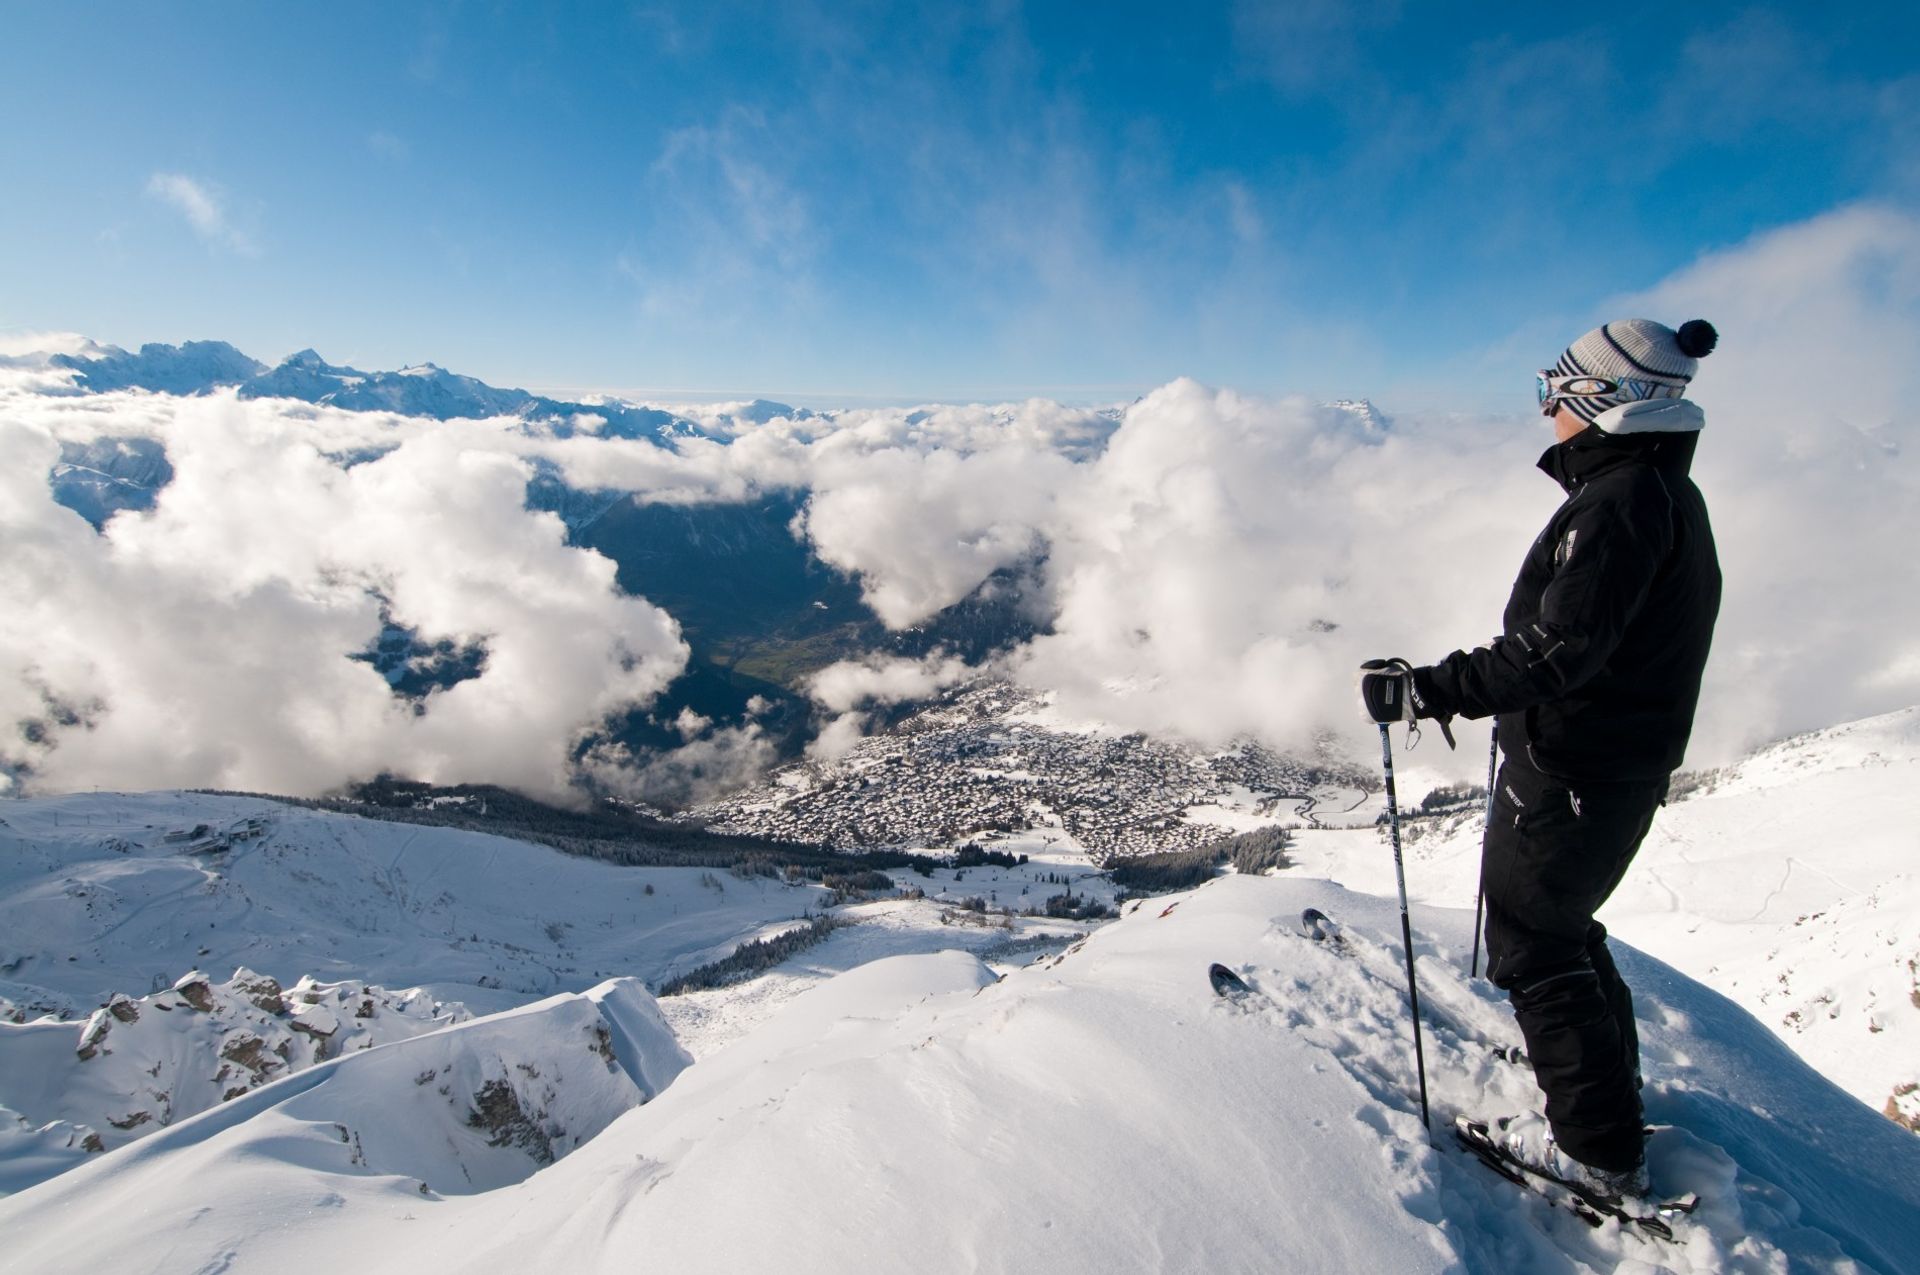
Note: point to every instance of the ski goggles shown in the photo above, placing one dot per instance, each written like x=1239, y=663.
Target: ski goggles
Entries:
x=1549, y=387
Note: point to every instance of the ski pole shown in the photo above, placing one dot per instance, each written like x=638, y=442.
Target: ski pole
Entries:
x=1480, y=885
x=1406, y=926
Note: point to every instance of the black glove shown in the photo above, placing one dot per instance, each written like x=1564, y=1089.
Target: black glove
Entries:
x=1386, y=688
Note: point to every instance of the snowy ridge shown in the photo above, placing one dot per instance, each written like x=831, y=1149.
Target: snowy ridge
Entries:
x=466, y=1109
x=200, y=367
x=1097, y=1110
x=136, y=1066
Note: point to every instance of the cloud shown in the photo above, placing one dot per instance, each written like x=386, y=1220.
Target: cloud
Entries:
x=730, y=233
x=1202, y=563
x=1811, y=465
x=1223, y=562
x=849, y=684
x=204, y=208
x=710, y=762
x=208, y=641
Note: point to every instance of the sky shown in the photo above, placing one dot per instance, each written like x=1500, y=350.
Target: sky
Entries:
x=872, y=203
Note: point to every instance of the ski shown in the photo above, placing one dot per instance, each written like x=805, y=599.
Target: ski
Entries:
x=1226, y=983
x=1589, y=1208
x=1321, y=928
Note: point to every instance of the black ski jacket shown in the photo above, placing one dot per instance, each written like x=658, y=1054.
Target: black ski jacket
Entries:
x=1609, y=622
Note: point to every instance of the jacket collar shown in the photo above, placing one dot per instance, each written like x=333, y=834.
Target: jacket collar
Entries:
x=1593, y=452
x=1653, y=416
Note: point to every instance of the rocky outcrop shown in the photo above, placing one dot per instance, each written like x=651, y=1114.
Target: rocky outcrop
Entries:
x=196, y=991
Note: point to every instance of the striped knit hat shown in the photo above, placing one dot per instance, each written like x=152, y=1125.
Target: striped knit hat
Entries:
x=1638, y=350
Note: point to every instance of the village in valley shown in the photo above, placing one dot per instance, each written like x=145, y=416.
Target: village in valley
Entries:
x=988, y=763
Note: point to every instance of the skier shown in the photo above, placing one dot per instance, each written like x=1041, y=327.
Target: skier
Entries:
x=1594, y=684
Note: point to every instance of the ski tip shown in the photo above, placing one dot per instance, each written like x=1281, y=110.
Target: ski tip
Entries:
x=1225, y=982
x=1317, y=925
x=1680, y=1207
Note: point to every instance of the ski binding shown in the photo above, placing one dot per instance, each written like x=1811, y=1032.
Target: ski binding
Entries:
x=1583, y=1204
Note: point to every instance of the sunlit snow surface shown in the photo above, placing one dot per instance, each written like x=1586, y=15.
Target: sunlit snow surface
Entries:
x=1097, y=1110
x=1790, y=882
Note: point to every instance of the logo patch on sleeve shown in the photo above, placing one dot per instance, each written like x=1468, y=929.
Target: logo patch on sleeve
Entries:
x=1565, y=550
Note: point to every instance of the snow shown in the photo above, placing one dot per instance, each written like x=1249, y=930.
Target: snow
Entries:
x=1790, y=884
x=95, y=899
x=467, y=1110
x=915, y=1095
x=1097, y=1109
x=202, y=367
x=137, y=1066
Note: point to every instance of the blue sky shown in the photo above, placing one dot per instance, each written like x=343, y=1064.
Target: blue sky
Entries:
x=838, y=201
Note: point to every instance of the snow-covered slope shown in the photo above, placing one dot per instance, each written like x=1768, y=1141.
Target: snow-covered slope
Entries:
x=122, y=893
x=466, y=1109
x=74, y=1088
x=1790, y=883
x=1094, y=1111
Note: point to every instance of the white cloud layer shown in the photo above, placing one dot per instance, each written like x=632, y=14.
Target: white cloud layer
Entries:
x=205, y=642
x=1212, y=565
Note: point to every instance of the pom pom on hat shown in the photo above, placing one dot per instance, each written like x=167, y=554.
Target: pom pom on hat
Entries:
x=1696, y=338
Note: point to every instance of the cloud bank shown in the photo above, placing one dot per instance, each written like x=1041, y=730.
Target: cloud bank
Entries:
x=207, y=641
x=1206, y=564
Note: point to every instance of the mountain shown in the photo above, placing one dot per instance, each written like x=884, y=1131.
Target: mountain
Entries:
x=761, y=613
x=199, y=367
x=98, y=479
x=348, y=931
x=124, y=893
x=190, y=368
x=470, y=1108
x=1096, y=1110
x=974, y=1086
x=77, y=1088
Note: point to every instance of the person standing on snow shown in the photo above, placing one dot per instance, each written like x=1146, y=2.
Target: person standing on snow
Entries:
x=1594, y=685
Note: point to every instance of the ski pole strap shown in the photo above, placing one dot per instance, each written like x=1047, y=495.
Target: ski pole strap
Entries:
x=1413, y=728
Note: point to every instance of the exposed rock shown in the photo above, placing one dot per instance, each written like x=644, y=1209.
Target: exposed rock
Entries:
x=92, y=1144
x=603, y=1045
x=249, y=1051
x=133, y=1121
x=321, y=1040
x=93, y=1034
x=1903, y=1106
x=124, y=1008
x=264, y=992
x=498, y=1113
x=195, y=990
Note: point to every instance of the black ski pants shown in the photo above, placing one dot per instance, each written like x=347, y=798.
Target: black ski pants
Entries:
x=1553, y=854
